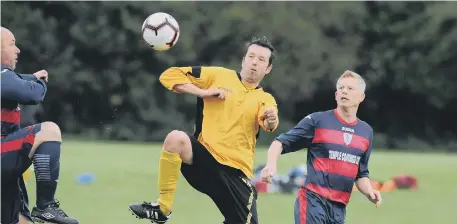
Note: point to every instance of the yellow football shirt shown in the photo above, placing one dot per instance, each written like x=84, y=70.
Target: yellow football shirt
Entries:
x=227, y=128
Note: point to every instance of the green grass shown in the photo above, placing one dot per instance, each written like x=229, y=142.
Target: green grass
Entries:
x=127, y=173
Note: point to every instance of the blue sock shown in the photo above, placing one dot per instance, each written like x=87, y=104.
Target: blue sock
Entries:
x=46, y=161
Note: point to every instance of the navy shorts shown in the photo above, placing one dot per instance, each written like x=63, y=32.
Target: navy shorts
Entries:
x=311, y=208
x=15, y=149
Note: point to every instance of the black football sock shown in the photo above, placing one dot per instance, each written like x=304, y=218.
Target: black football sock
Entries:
x=46, y=161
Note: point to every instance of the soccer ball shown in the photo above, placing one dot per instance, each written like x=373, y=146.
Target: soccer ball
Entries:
x=160, y=31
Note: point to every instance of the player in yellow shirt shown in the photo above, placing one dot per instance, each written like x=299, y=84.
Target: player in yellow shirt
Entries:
x=218, y=158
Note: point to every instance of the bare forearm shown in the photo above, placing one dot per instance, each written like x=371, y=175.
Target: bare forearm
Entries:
x=274, y=152
x=364, y=185
x=189, y=88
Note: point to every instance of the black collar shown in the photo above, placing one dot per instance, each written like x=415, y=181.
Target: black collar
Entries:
x=239, y=77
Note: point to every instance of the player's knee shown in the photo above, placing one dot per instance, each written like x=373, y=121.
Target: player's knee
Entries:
x=175, y=141
x=50, y=131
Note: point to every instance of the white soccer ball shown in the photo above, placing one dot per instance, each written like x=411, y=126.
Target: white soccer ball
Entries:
x=160, y=31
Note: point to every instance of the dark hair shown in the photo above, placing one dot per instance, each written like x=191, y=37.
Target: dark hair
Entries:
x=263, y=42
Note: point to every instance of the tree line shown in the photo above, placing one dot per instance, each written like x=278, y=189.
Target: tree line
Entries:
x=104, y=78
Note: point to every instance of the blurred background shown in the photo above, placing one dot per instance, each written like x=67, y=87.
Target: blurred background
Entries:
x=104, y=86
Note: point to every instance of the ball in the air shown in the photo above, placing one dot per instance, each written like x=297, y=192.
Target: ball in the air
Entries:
x=160, y=31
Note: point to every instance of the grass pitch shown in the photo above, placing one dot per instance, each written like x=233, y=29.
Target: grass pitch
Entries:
x=127, y=173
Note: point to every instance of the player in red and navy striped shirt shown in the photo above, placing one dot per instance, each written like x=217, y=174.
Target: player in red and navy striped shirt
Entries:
x=39, y=144
x=339, y=147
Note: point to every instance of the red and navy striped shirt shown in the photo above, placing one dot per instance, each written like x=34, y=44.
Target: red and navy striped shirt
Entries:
x=18, y=89
x=338, y=152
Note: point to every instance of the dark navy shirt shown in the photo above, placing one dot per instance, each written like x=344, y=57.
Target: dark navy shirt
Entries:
x=18, y=89
x=338, y=152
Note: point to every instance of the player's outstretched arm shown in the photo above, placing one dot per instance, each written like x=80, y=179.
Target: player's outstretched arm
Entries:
x=269, y=170
x=297, y=138
x=23, y=91
x=192, y=80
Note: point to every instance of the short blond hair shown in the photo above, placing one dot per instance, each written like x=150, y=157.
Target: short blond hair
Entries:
x=351, y=74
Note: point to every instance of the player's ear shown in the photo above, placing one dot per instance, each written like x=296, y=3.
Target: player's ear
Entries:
x=362, y=97
x=269, y=68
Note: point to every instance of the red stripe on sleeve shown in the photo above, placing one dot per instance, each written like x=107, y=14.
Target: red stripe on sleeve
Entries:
x=322, y=135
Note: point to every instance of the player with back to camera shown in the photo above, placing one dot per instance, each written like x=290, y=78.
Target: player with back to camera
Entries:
x=218, y=158
x=339, y=147
x=20, y=147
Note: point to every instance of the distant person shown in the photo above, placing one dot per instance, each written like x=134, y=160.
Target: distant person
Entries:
x=339, y=147
x=218, y=158
x=39, y=143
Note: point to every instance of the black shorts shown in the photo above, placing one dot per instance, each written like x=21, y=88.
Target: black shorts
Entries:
x=228, y=187
x=15, y=149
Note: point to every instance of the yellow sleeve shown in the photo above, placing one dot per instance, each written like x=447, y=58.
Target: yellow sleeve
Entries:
x=200, y=76
x=268, y=102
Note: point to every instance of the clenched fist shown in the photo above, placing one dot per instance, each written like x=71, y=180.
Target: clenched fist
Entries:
x=267, y=173
x=270, y=117
x=42, y=74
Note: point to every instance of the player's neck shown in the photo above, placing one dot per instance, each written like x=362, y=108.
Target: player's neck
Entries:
x=348, y=114
x=248, y=84
x=8, y=67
